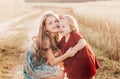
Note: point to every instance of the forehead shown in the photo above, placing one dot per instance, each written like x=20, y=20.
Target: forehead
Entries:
x=50, y=18
x=63, y=21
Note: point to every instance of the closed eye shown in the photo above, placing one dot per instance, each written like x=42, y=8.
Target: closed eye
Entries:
x=63, y=26
x=58, y=26
x=56, y=21
x=50, y=23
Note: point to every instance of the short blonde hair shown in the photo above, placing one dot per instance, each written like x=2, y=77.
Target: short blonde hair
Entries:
x=71, y=21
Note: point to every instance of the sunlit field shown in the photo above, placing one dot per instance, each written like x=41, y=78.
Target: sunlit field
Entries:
x=102, y=23
x=99, y=23
x=101, y=27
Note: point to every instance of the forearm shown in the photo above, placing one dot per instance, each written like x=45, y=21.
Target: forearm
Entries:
x=57, y=60
x=80, y=45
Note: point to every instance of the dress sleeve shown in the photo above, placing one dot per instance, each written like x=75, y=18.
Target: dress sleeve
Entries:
x=77, y=36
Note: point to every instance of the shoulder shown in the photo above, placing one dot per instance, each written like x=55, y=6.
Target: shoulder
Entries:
x=76, y=34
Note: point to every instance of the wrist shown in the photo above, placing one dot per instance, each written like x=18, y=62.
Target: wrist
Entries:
x=75, y=49
x=65, y=55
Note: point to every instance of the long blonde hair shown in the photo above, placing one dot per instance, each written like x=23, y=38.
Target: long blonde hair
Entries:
x=42, y=32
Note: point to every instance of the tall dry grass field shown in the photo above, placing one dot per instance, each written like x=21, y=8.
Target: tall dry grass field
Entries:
x=99, y=22
x=10, y=8
x=10, y=48
x=101, y=25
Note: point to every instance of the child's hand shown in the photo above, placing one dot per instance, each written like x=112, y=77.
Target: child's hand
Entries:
x=70, y=52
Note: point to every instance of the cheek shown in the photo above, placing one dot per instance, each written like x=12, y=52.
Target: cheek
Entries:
x=49, y=28
x=67, y=30
x=70, y=30
x=54, y=30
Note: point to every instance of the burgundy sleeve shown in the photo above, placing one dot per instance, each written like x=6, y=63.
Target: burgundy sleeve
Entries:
x=77, y=36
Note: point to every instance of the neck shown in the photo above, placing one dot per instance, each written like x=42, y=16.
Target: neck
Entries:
x=67, y=38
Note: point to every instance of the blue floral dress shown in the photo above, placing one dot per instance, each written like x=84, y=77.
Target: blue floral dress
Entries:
x=32, y=71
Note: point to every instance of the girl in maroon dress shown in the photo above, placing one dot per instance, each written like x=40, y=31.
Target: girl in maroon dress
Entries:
x=83, y=64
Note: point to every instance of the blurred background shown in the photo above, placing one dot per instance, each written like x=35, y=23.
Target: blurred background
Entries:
x=99, y=23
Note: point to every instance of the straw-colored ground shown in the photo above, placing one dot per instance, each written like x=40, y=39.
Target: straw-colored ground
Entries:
x=99, y=24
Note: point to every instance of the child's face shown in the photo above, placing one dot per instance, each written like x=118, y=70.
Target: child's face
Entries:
x=51, y=24
x=64, y=27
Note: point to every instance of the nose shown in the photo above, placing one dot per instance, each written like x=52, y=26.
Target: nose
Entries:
x=60, y=28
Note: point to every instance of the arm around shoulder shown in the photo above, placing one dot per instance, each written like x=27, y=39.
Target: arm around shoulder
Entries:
x=80, y=45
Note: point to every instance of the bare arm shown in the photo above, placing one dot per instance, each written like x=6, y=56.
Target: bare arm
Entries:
x=56, y=60
x=81, y=43
x=69, y=53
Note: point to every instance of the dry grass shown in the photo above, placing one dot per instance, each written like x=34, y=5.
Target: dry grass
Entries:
x=103, y=26
x=10, y=49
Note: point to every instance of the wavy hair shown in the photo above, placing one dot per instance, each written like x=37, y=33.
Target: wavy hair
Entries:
x=42, y=33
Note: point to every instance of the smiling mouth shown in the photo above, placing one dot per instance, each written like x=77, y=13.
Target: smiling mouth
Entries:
x=61, y=31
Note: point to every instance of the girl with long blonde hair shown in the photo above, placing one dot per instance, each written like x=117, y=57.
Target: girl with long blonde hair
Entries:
x=43, y=57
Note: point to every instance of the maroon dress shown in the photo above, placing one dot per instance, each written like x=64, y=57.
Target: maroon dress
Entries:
x=81, y=66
